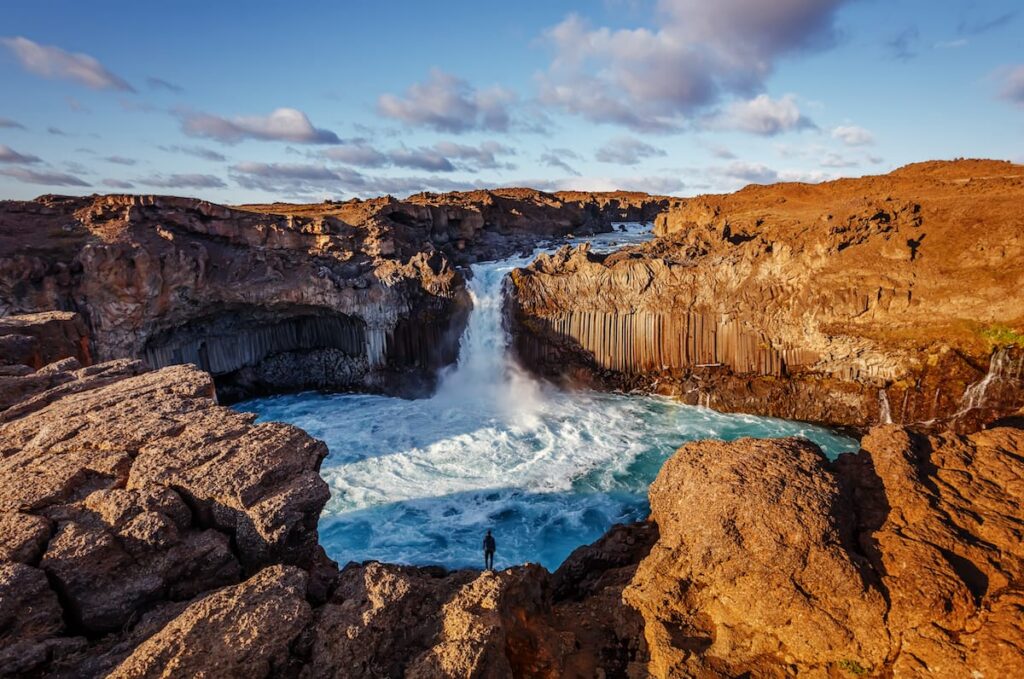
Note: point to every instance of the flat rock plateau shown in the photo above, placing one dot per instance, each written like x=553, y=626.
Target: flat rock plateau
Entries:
x=146, y=530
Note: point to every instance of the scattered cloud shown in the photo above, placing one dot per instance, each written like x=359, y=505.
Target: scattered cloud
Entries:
x=9, y=155
x=444, y=156
x=482, y=157
x=852, y=135
x=183, y=181
x=762, y=115
x=7, y=123
x=627, y=151
x=751, y=173
x=120, y=160
x=118, y=184
x=977, y=26
x=57, y=132
x=76, y=168
x=656, y=79
x=283, y=124
x=656, y=185
x=197, y=151
x=557, y=158
x=44, y=177
x=48, y=61
x=166, y=86
x=287, y=177
x=357, y=152
x=1012, y=87
x=903, y=45
x=307, y=180
x=77, y=106
x=447, y=103
x=837, y=160
x=421, y=159
x=720, y=152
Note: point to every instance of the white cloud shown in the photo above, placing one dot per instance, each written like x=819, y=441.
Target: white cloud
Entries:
x=627, y=151
x=357, y=152
x=656, y=79
x=762, y=115
x=1013, y=85
x=196, y=151
x=656, y=185
x=444, y=156
x=309, y=180
x=183, y=181
x=52, y=62
x=9, y=155
x=283, y=124
x=45, y=178
x=449, y=104
x=750, y=173
x=851, y=135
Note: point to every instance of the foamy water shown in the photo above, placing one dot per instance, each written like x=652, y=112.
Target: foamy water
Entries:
x=420, y=481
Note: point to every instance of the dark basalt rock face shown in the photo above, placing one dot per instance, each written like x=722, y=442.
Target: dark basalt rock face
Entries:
x=857, y=302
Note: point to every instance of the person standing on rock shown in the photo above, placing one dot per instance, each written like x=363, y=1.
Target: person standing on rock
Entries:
x=489, y=547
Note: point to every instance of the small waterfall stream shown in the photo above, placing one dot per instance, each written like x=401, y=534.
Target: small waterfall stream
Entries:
x=1002, y=367
x=419, y=481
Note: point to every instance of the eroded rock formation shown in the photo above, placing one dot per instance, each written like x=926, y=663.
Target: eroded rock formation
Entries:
x=147, y=531
x=854, y=302
x=358, y=295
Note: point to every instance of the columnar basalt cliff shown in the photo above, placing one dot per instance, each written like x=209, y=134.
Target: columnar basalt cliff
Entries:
x=356, y=295
x=146, y=531
x=855, y=302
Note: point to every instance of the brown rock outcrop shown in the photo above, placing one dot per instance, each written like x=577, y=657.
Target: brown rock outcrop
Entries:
x=902, y=560
x=855, y=302
x=145, y=530
x=264, y=302
x=40, y=339
x=240, y=632
x=124, y=493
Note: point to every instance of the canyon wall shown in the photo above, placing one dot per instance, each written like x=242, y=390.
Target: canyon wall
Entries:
x=147, y=531
x=856, y=302
x=336, y=296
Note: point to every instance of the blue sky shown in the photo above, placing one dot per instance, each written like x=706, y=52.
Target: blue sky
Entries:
x=255, y=101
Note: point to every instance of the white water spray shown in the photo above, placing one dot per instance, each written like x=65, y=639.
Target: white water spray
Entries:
x=487, y=375
x=1001, y=367
x=420, y=481
x=884, y=411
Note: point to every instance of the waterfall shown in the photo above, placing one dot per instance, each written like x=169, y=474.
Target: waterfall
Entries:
x=486, y=373
x=1001, y=367
x=884, y=411
x=419, y=481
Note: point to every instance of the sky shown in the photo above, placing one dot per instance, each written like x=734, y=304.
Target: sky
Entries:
x=257, y=101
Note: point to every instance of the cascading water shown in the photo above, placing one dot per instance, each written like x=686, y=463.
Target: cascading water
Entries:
x=1002, y=367
x=420, y=481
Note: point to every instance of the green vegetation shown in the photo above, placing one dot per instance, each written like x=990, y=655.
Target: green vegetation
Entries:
x=1003, y=336
x=853, y=667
